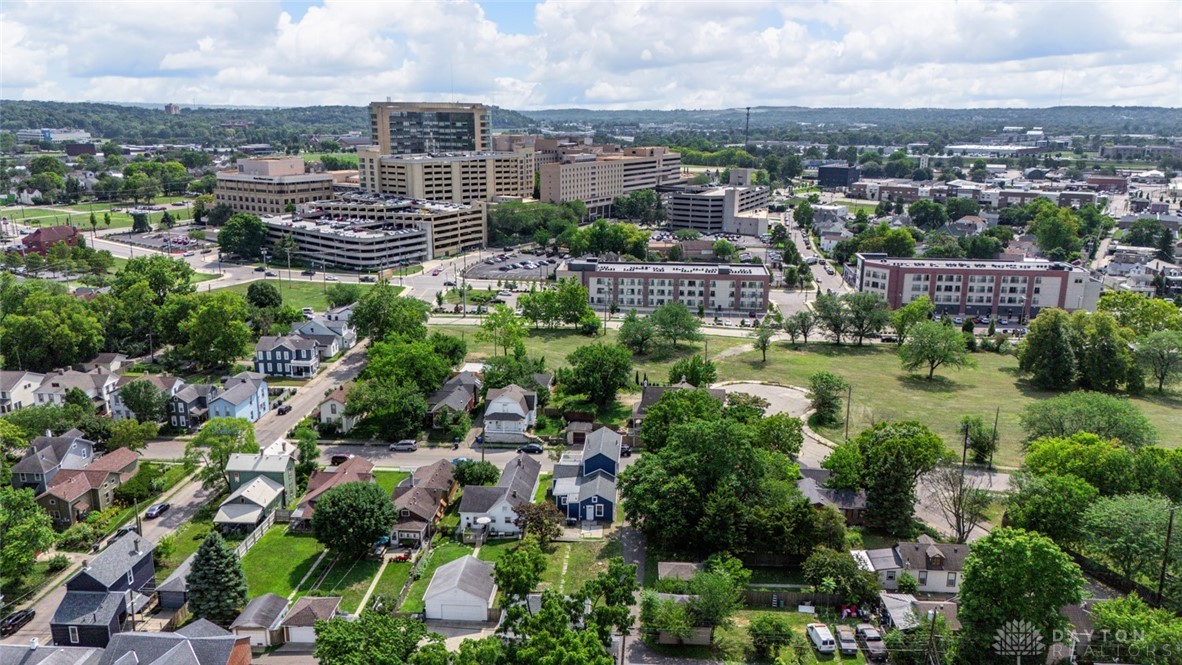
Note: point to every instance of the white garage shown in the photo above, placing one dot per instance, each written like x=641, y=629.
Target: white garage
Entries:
x=300, y=625
x=462, y=590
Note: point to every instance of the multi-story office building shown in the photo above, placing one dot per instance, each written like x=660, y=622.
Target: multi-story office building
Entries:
x=1018, y=289
x=269, y=186
x=719, y=209
x=451, y=227
x=461, y=177
x=418, y=127
x=714, y=289
x=837, y=175
x=52, y=135
x=597, y=179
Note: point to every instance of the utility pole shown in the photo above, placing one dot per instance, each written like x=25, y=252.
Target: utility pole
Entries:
x=1161, y=579
x=747, y=131
x=849, y=396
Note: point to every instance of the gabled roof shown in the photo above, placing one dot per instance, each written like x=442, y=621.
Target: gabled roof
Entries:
x=260, y=491
x=259, y=463
x=48, y=452
x=87, y=608
x=340, y=395
x=515, y=394
x=652, y=394
x=50, y=235
x=237, y=393
x=468, y=574
x=354, y=469
x=269, y=342
x=194, y=391
x=419, y=501
x=598, y=484
x=162, y=383
x=603, y=441
x=169, y=649
x=309, y=609
x=20, y=654
x=115, y=460
x=455, y=397
x=435, y=476
x=69, y=484
x=915, y=556
x=202, y=628
x=10, y=379
x=819, y=495
x=119, y=557
x=261, y=612
x=89, y=382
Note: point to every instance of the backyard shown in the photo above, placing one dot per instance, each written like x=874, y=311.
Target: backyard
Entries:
x=301, y=291
x=278, y=562
x=348, y=578
x=388, y=480
x=571, y=564
x=444, y=552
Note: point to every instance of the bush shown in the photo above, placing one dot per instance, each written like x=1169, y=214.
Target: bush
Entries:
x=768, y=631
x=79, y=536
x=57, y=563
x=145, y=484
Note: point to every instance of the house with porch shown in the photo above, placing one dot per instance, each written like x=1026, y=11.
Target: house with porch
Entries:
x=169, y=385
x=519, y=482
x=509, y=413
x=332, y=409
x=75, y=492
x=244, y=396
x=17, y=389
x=353, y=470
x=189, y=407
x=249, y=505
x=584, y=485
x=288, y=355
x=457, y=394
x=47, y=455
x=334, y=336
x=422, y=501
x=105, y=592
x=937, y=567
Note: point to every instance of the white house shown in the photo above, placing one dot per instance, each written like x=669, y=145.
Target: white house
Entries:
x=98, y=386
x=332, y=410
x=519, y=482
x=937, y=567
x=17, y=389
x=461, y=590
x=509, y=413
x=300, y=624
x=169, y=385
x=334, y=336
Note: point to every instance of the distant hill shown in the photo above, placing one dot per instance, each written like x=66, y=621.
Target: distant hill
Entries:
x=140, y=123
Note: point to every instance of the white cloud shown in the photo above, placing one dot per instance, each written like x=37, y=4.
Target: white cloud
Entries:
x=598, y=53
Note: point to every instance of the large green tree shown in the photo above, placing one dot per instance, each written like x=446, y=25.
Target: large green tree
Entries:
x=675, y=322
x=394, y=408
x=211, y=448
x=145, y=400
x=374, y=638
x=599, y=371
x=1001, y=575
x=931, y=345
x=695, y=370
x=868, y=314
x=1160, y=354
x=1106, y=416
x=217, y=585
x=410, y=362
x=503, y=328
x=1052, y=505
x=674, y=407
x=350, y=517
x=1048, y=352
x=25, y=530
x=826, y=391
x=917, y=311
x=637, y=333
x=1128, y=532
x=381, y=313
x=216, y=330
x=243, y=235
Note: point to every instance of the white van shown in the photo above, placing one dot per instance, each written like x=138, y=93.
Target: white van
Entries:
x=821, y=638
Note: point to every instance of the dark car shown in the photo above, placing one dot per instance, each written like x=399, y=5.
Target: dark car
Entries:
x=157, y=510
x=260, y=269
x=872, y=643
x=285, y=409
x=532, y=449
x=340, y=458
x=367, y=278
x=123, y=531
x=308, y=272
x=625, y=451
x=14, y=621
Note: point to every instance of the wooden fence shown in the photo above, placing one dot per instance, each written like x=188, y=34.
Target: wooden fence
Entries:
x=244, y=546
x=788, y=598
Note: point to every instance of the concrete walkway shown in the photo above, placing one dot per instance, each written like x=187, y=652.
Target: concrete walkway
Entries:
x=373, y=585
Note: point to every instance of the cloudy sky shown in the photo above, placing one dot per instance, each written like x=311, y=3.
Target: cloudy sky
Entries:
x=596, y=53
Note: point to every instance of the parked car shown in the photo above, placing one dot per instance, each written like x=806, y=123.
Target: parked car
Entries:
x=207, y=251
x=123, y=531
x=157, y=510
x=532, y=449
x=271, y=273
x=435, y=272
x=367, y=278
x=260, y=269
x=449, y=282
x=821, y=638
x=625, y=451
x=330, y=278
x=459, y=460
x=847, y=642
x=340, y=458
x=405, y=446
x=13, y=622
x=872, y=642
x=284, y=410
x=187, y=254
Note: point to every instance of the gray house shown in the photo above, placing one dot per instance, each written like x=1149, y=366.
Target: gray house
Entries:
x=101, y=596
x=289, y=355
x=189, y=407
x=47, y=455
x=260, y=620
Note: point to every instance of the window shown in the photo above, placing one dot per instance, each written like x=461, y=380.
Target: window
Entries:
x=131, y=577
x=599, y=510
x=890, y=575
x=923, y=577
x=508, y=520
x=73, y=635
x=951, y=579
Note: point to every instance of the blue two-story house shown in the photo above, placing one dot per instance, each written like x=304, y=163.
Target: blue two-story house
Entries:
x=244, y=396
x=103, y=595
x=289, y=355
x=585, y=485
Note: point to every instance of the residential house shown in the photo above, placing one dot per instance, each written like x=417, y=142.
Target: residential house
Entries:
x=189, y=407
x=519, y=482
x=300, y=623
x=650, y=395
x=109, y=363
x=169, y=385
x=17, y=389
x=828, y=240
x=461, y=590
x=46, y=455
x=340, y=316
x=937, y=567
x=75, y=492
x=249, y=505
x=198, y=643
x=353, y=470
x=288, y=355
x=850, y=503
x=98, y=386
x=244, y=396
x=260, y=620
x=585, y=485
x=35, y=653
x=332, y=410
x=903, y=611
x=509, y=413
x=965, y=227
x=100, y=597
x=40, y=240
x=697, y=250
x=422, y=501
x=458, y=394
x=334, y=335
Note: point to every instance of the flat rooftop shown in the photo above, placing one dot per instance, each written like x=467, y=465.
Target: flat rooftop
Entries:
x=358, y=229
x=973, y=264
x=448, y=156
x=377, y=201
x=675, y=268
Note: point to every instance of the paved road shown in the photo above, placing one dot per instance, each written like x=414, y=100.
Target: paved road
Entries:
x=272, y=426
x=185, y=503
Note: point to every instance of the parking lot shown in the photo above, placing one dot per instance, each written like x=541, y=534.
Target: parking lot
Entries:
x=177, y=240
x=514, y=265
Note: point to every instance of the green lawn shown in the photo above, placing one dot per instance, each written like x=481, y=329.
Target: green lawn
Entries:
x=388, y=480
x=278, y=562
x=493, y=549
x=883, y=391
x=186, y=540
x=584, y=559
x=775, y=575
x=544, y=482
x=300, y=292
x=392, y=580
x=441, y=554
x=348, y=578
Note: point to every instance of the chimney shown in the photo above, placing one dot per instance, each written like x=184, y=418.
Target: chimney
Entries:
x=86, y=564
x=136, y=550
x=514, y=494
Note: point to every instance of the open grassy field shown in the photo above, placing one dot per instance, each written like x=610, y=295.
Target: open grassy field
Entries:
x=79, y=213
x=443, y=553
x=300, y=292
x=278, y=562
x=388, y=480
x=883, y=391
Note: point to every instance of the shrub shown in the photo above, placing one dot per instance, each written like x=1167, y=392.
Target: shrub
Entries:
x=79, y=536
x=57, y=563
x=768, y=632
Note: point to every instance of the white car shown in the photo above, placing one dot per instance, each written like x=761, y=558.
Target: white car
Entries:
x=821, y=638
x=330, y=278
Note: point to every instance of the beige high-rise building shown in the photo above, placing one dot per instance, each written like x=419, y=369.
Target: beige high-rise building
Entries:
x=463, y=177
x=419, y=127
x=597, y=179
x=269, y=186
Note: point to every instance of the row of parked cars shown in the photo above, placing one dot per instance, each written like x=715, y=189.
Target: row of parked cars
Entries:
x=848, y=639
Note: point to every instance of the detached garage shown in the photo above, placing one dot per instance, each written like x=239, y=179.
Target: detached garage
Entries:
x=462, y=590
x=300, y=625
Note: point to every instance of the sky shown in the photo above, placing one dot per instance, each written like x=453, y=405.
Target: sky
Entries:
x=607, y=54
